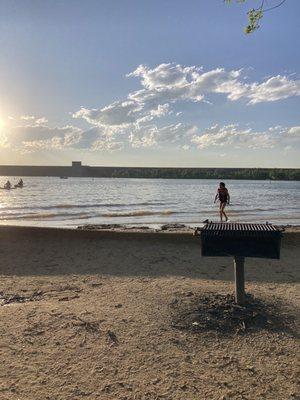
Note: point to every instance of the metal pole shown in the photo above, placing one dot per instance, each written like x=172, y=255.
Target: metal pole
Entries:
x=239, y=280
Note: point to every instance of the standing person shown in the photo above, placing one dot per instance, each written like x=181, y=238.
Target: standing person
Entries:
x=224, y=198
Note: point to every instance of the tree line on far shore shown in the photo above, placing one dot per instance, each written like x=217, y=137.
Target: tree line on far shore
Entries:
x=203, y=173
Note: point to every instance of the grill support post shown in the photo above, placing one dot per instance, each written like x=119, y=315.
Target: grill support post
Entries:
x=239, y=275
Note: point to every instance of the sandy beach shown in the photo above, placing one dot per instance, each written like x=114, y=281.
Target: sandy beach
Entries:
x=90, y=314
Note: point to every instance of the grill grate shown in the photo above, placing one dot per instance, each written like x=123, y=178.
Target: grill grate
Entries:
x=239, y=229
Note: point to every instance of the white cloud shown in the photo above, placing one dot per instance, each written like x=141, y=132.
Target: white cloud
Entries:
x=107, y=145
x=176, y=133
x=32, y=119
x=171, y=83
x=145, y=137
x=186, y=136
x=27, y=117
x=117, y=114
x=27, y=133
x=233, y=136
x=36, y=137
x=33, y=138
x=145, y=117
x=293, y=132
x=168, y=135
x=55, y=142
x=41, y=121
x=4, y=144
x=164, y=75
x=275, y=88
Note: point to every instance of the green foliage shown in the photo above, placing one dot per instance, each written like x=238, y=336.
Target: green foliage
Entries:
x=255, y=15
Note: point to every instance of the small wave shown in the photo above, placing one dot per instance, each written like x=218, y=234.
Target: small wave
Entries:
x=96, y=205
x=82, y=215
x=138, y=213
x=45, y=216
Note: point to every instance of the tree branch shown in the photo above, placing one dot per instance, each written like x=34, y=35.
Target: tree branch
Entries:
x=272, y=8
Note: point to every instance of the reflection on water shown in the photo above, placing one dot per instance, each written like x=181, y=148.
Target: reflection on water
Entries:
x=75, y=201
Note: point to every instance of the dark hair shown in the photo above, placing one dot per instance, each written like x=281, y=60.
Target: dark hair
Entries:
x=222, y=184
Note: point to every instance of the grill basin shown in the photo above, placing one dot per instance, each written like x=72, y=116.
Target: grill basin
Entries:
x=240, y=240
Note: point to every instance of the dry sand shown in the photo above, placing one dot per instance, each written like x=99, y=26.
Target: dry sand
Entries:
x=88, y=315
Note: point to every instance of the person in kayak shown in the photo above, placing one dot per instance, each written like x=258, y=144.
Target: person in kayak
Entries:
x=224, y=198
x=20, y=184
x=7, y=185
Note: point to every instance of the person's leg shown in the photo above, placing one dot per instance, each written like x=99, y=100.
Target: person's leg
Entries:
x=223, y=212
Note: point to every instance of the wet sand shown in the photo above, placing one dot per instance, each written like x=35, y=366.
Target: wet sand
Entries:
x=89, y=314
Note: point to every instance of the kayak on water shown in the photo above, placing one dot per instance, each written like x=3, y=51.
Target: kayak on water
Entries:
x=9, y=186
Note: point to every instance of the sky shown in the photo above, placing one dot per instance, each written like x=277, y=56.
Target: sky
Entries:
x=149, y=83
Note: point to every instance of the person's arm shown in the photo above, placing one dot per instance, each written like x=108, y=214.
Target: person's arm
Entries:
x=216, y=196
x=228, y=198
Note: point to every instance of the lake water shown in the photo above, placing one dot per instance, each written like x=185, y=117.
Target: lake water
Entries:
x=77, y=201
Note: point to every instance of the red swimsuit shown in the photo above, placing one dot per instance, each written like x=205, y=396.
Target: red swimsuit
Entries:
x=223, y=195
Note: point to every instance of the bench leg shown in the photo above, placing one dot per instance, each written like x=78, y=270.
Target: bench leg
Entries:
x=239, y=275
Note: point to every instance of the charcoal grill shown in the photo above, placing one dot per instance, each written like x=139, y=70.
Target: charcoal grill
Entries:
x=240, y=240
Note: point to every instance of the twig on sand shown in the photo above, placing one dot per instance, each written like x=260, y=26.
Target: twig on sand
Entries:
x=89, y=326
x=112, y=338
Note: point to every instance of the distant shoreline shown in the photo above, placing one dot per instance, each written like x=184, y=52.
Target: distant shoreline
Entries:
x=79, y=170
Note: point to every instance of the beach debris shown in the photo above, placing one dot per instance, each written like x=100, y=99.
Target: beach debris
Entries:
x=174, y=302
x=82, y=393
x=112, y=227
x=119, y=305
x=33, y=330
x=89, y=326
x=95, y=227
x=129, y=228
x=95, y=284
x=68, y=298
x=86, y=327
x=6, y=299
x=250, y=368
x=170, y=227
x=156, y=381
x=220, y=313
x=112, y=338
x=197, y=231
x=67, y=287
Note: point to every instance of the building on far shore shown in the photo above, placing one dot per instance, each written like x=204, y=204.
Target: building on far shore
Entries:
x=77, y=168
